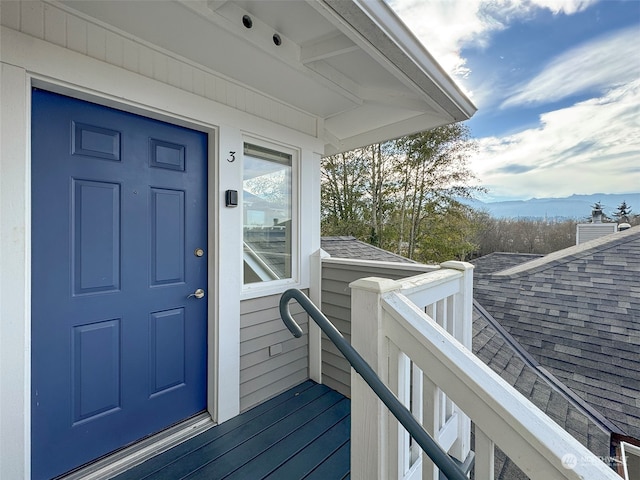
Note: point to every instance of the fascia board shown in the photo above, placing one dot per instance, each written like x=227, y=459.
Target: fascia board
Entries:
x=384, y=36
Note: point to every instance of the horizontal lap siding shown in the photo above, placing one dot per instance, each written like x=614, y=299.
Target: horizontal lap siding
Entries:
x=336, y=305
x=55, y=25
x=262, y=376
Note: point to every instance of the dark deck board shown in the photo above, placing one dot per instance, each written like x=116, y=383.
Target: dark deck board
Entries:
x=245, y=450
x=305, y=461
x=276, y=439
x=291, y=445
x=216, y=451
x=336, y=466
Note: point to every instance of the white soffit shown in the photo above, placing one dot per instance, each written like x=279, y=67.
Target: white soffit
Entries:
x=351, y=63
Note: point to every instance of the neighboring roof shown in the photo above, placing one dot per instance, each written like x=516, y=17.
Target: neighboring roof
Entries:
x=350, y=247
x=576, y=251
x=577, y=312
x=497, y=261
x=351, y=64
x=496, y=348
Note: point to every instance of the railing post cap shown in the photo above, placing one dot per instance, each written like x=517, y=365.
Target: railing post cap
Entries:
x=456, y=265
x=375, y=285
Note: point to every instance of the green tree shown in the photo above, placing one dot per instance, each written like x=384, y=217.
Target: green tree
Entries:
x=450, y=235
x=623, y=213
x=432, y=175
x=379, y=191
x=396, y=194
x=342, y=193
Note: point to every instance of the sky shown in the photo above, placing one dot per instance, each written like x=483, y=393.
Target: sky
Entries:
x=556, y=84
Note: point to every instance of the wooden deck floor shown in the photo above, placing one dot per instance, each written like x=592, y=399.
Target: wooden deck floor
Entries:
x=302, y=433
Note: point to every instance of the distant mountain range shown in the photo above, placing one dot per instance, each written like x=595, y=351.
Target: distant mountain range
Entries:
x=574, y=207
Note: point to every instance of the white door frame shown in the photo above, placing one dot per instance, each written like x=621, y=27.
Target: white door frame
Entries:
x=15, y=254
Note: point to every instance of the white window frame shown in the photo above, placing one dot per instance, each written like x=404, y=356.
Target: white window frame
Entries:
x=628, y=449
x=272, y=287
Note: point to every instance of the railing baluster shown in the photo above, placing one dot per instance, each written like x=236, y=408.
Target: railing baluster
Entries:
x=404, y=447
x=441, y=317
x=431, y=422
x=461, y=311
x=417, y=408
x=396, y=385
x=484, y=450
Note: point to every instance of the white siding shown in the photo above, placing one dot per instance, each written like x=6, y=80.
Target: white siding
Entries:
x=263, y=375
x=590, y=231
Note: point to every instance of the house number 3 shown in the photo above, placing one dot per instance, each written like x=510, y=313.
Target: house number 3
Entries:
x=232, y=157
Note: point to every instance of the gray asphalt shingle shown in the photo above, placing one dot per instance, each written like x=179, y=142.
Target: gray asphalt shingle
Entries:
x=577, y=313
x=543, y=390
x=350, y=247
x=497, y=261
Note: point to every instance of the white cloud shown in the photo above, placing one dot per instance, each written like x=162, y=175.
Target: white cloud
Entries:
x=609, y=60
x=591, y=146
x=445, y=26
x=565, y=6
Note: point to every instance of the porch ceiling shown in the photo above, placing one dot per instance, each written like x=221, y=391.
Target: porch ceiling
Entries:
x=352, y=64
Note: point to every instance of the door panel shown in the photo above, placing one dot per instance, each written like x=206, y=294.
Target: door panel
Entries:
x=118, y=346
x=95, y=368
x=167, y=236
x=95, y=236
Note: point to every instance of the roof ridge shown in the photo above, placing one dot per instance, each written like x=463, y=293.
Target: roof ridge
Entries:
x=387, y=251
x=513, y=253
x=573, y=398
x=338, y=237
x=352, y=240
x=573, y=252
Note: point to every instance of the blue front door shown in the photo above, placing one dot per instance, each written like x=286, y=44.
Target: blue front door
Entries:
x=119, y=239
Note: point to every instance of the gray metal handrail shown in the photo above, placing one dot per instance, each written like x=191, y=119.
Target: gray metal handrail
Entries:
x=443, y=461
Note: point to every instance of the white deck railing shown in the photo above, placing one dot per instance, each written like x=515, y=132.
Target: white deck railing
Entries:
x=416, y=334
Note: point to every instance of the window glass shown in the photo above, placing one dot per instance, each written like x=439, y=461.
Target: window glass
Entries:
x=267, y=204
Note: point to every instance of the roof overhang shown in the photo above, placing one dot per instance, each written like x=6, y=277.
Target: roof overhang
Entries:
x=352, y=64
